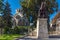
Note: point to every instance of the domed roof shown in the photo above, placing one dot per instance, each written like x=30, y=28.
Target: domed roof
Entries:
x=55, y=18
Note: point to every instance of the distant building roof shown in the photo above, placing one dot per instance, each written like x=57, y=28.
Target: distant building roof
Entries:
x=55, y=18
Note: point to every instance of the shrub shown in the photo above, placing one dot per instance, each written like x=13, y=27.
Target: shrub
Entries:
x=16, y=30
x=6, y=30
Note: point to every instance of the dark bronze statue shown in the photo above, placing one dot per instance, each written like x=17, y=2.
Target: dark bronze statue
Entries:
x=43, y=11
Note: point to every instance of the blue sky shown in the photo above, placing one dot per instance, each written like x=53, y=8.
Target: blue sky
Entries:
x=15, y=5
x=54, y=14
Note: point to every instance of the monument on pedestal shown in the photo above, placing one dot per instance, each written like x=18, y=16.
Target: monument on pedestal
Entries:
x=42, y=30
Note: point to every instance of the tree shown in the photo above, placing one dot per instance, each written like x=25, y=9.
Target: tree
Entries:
x=1, y=25
x=7, y=16
x=32, y=7
x=1, y=11
x=1, y=6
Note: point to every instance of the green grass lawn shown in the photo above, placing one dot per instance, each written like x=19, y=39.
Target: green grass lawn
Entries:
x=9, y=37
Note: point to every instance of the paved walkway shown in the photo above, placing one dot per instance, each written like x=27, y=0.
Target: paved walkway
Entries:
x=51, y=37
x=56, y=37
x=40, y=39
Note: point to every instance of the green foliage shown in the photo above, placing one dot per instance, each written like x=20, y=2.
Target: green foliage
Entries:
x=17, y=30
x=21, y=29
x=6, y=30
x=1, y=6
x=32, y=7
x=1, y=22
x=7, y=16
x=1, y=10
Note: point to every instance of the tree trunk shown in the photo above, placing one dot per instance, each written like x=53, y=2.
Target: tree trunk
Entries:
x=0, y=31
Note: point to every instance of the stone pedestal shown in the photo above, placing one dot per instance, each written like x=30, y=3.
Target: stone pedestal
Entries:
x=42, y=30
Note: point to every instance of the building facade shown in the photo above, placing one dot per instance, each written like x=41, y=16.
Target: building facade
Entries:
x=19, y=19
x=56, y=22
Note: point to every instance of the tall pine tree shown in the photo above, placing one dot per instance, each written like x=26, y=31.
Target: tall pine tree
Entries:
x=7, y=16
x=1, y=9
x=1, y=6
x=1, y=12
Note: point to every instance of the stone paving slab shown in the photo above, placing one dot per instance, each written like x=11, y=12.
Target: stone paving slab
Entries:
x=54, y=38
x=41, y=39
